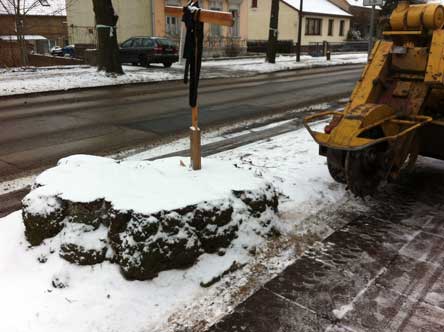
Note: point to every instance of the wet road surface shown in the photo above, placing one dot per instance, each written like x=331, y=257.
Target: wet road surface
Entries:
x=37, y=131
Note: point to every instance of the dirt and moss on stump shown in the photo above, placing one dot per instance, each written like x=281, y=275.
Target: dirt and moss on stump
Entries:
x=147, y=217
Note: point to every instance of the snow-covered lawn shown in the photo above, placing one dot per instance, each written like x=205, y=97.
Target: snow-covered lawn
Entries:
x=19, y=81
x=99, y=299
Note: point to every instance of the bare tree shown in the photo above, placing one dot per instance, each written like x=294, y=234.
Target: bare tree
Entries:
x=19, y=9
x=108, y=57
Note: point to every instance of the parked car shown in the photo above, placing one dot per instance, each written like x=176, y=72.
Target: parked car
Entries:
x=56, y=51
x=67, y=51
x=147, y=50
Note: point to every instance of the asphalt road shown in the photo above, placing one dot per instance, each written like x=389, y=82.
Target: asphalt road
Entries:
x=36, y=131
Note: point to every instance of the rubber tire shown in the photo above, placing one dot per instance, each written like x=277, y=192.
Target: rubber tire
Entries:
x=167, y=64
x=143, y=61
x=337, y=173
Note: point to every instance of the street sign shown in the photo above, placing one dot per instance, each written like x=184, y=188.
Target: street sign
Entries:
x=371, y=3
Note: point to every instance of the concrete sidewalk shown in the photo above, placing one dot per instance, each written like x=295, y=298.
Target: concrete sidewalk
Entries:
x=382, y=272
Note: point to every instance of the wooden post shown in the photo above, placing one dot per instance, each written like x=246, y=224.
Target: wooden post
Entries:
x=205, y=16
x=195, y=140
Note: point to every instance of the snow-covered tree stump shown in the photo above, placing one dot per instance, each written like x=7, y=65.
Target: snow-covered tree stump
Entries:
x=145, y=216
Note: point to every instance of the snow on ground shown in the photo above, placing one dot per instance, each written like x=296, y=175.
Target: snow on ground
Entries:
x=30, y=80
x=141, y=186
x=98, y=299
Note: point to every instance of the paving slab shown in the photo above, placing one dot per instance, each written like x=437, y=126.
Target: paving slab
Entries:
x=436, y=224
x=254, y=316
x=410, y=277
x=384, y=310
x=426, y=247
x=382, y=272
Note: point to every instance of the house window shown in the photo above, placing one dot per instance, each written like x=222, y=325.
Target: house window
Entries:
x=341, y=28
x=234, y=30
x=313, y=26
x=253, y=3
x=215, y=29
x=172, y=26
x=330, y=27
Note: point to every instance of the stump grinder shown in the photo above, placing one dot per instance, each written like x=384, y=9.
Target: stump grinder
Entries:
x=396, y=111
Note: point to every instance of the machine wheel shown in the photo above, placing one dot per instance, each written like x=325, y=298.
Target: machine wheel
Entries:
x=143, y=61
x=367, y=169
x=336, y=165
x=167, y=64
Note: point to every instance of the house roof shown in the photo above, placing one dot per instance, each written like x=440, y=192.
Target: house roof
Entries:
x=323, y=7
x=26, y=37
x=55, y=8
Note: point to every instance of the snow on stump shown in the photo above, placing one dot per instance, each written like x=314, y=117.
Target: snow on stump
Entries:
x=145, y=216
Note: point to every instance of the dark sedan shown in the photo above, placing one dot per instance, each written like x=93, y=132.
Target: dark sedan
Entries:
x=147, y=50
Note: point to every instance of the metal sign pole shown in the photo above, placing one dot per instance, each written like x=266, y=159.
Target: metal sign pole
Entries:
x=298, y=46
x=372, y=31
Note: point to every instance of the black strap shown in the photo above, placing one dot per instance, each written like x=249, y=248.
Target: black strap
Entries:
x=193, y=47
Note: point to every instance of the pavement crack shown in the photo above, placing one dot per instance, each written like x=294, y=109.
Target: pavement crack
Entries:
x=291, y=301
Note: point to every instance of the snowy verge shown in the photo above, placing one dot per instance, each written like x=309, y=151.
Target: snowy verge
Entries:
x=32, y=80
x=146, y=216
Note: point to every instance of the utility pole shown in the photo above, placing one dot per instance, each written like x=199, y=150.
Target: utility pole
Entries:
x=273, y=32
x=298, y=46
x=372, y=30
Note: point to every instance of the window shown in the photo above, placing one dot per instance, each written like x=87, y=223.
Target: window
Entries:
x=330, y=27
x=234, y=30
x=313, y=26
x=137, y=42
x=215, y=29
x=166, y=43
x=341, y=28
x=172, y=26
x=253, y=3
x=127, y=44
x=147, y=42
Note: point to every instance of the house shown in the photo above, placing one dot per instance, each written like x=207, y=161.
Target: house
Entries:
x=135, y=19
x=218, y=40
x=322, y=21
x=360, y=22
x=147, y=18
x=43, y=26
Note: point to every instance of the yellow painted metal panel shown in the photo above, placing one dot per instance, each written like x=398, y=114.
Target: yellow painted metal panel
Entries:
x=435, y=64
x=375, y=71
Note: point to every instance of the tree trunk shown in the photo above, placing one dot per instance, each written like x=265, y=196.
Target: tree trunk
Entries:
x=108, y=57
x=273, y=32
x=21, y=40
x=19, y=28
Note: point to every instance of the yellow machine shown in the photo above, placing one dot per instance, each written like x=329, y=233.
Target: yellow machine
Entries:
x=396, y=111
